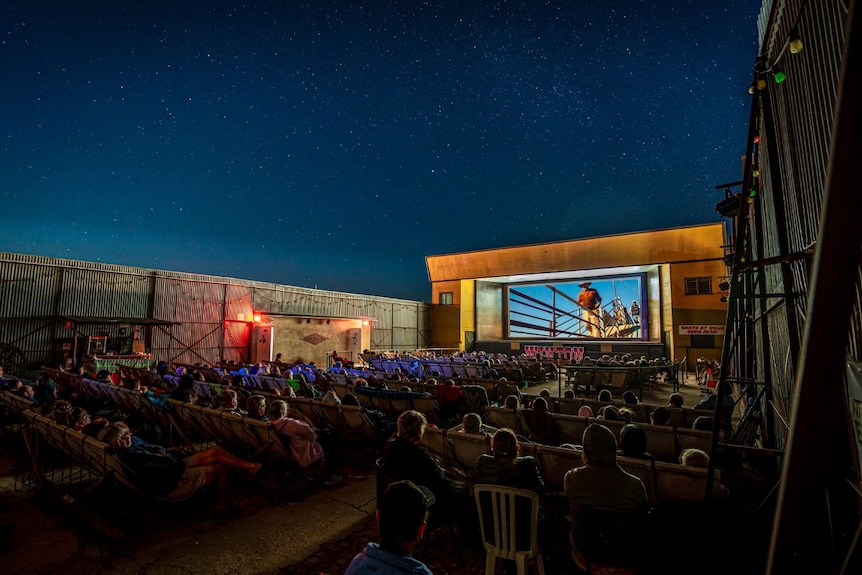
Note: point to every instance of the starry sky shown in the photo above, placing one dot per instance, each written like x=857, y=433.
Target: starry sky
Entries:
x=335, y=144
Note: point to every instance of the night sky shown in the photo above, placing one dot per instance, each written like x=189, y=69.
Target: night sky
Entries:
x=335, y=144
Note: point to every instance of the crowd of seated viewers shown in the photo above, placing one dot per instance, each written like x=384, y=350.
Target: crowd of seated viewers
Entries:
x=420, y=488
x=175, y=474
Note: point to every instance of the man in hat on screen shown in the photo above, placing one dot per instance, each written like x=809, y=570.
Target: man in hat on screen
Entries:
x=591, y=307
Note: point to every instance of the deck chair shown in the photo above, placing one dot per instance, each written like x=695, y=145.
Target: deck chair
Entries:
x=508, y=519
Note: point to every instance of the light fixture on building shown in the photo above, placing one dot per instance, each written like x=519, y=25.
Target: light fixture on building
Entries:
x=729, y=206
x=795, y=42
x=778, y=75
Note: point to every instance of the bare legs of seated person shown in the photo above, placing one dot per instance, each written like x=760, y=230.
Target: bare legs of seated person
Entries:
x=216, y=461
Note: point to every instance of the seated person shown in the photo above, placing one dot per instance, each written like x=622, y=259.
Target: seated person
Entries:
x=585, y=411
x=26, y=390
x=229, y=401
x=350, y=399
x=703, y=423
x=726, y=409
x=404, y=458
x=304, y=445
x=504, y=465
x=512, y=402
x=336, y=359
x=449, y=398
x=609, y=412
x=633, y=442
x=471, y=424
x=538, y=420
x=605, y=396
x=185, y=385
x=172, y=475
x=402, y=514
x=46, y=389
x=675, y=400
x=694, y=457
x=256, y=407
x=626, y=414
x=601, y=484
x=660, y=416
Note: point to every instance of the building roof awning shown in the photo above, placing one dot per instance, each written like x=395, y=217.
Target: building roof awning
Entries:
x=99, y=319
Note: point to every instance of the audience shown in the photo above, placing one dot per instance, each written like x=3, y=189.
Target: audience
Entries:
x=256, y=407
x=539, y=423
x=229, y=401
x=505, y=466
x=512, y=402
x=609, y=412
x=402, y=514
x=585, y=411
x=171, y=474
x=626, y=414
x=703, y=423
x=633, y=442
x=660, y=416
x=675, y=400
x=306, y=444
x=694, y=457
x=599, y=483
x=471, y=423
x=404, y=458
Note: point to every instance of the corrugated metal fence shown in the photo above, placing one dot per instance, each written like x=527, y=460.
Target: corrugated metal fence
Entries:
x=48, y=303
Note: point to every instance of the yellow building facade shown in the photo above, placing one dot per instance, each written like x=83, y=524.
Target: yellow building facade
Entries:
x=660, y=295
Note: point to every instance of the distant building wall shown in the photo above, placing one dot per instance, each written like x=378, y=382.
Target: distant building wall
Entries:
x=50, y=307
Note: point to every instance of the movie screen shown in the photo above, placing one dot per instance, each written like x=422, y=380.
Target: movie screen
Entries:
x=601, y=308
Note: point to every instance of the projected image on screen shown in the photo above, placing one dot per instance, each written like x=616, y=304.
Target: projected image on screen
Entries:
x=585, y=308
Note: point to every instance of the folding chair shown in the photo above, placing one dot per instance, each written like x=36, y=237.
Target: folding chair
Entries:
x=509, y=519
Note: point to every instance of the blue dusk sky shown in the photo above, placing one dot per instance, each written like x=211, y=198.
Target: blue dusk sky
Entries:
x=336, y=144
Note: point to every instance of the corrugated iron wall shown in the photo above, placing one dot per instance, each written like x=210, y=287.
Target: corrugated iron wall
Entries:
x=790, y=148
x=790, y=189
x=212, y=314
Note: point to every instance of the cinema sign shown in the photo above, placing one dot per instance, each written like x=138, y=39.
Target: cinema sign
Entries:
x=700, y=329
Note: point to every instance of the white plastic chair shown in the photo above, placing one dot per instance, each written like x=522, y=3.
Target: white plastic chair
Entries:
x=499, y=521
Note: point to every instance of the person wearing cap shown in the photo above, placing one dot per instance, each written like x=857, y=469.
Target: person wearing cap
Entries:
x=402, y=515
x=601, y=484
x=591, y=304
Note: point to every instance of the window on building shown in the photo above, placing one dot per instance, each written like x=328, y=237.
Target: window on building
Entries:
x=698, y=286
x=446, y=298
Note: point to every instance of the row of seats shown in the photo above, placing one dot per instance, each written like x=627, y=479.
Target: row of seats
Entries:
x=667, y=484
x=664, y=442
x=349, y=423
x=679, y=416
